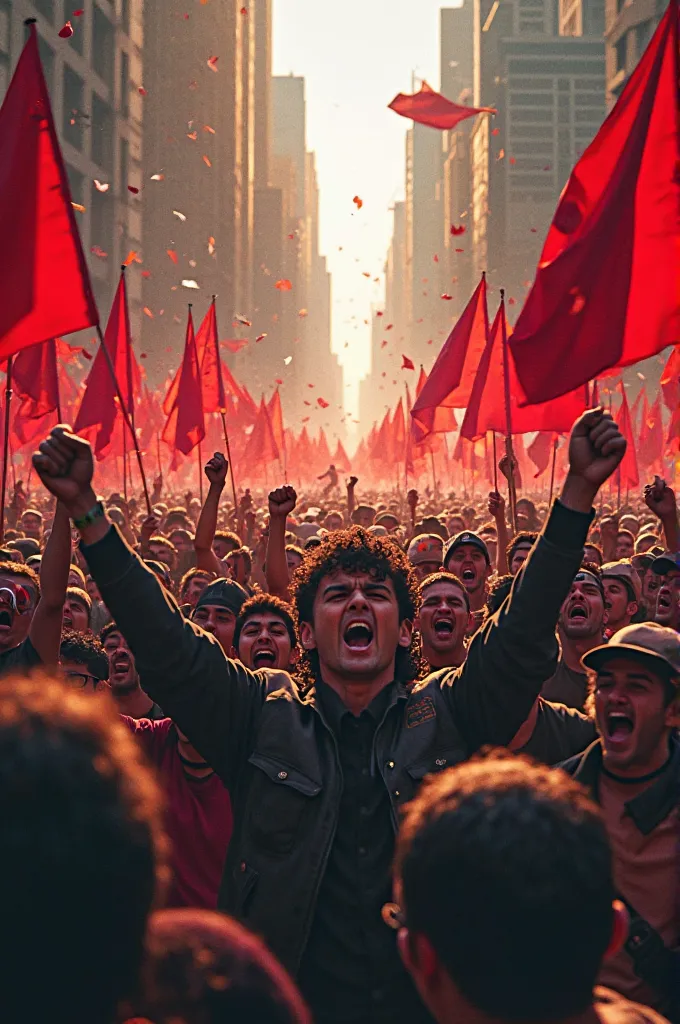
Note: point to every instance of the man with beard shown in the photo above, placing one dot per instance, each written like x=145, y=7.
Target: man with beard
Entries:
x=667, y=570
x=318, y=773
x=218, y=608
x=580, y=628
x=622, y=594
x=443, y=620
x=264, y=636
x=633, y=770
x=124, y=679
x=467, y=557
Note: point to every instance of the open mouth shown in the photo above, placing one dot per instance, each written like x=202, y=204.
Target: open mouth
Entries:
x=468, y=575
x=264, y=659
x=443, y=628
x=619, y=727
x=663, y=600
x=578, y=611
x=67, y=621
x=358, y=636
x=6, y=618
x=120, y=664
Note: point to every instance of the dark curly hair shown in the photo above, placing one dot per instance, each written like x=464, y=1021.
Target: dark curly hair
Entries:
x=261, y=604
x=356, y=550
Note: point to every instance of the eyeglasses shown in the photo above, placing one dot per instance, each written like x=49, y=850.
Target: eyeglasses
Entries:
x=81, y=680
x=17, y=596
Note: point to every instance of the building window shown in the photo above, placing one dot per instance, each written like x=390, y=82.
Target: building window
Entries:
x=103, y=47
x=47, y=60
x=101, y=223
x=124, y=84
x=643, y=33
x=74, y=117
x=621, y=50
x=46, y=9
x=124, y=164
x=76, y=182
x=102, y=133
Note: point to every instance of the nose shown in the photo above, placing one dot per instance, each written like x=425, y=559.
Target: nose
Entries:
x=358, y=599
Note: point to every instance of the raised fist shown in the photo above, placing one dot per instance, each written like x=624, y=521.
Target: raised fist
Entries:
x=660, y=498
x=496, y=505
x=64, y=464
x=282, y=502
x=412, y=498
x=216, y=469
x=596, y=448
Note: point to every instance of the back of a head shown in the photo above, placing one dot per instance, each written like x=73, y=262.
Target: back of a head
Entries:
x=204, y=968
x=505, y=867
x=81, y=847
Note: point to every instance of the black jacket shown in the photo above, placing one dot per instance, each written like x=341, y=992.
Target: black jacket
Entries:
x=277, y=755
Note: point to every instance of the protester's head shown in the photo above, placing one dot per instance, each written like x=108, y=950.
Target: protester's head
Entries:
x=426, y=554
x=582, y=615
x=160, y=570
x=443, y=619
x=527, y=517
x=625, y=544
x=76, y=577
x=26, y=546
x=204, y=968
x=239, y=565
x=593, y=553
x=667, y=570
x=93, y=590
x=630, y=522
x=294, y=557
x=455, y=524
x=489, y=534
x=518, y=550
x=264, y=636
x=467, y=556
x=503, y=880
x=635, y=681
x=83, y=661
x=32, y=523
x=182, y=540
x=177, y=518
x=363, y=515
x=622, y=593
x=334, y=520
x=217, y=609
x=81, y=853
x=77, y=610
x=223, y=542
x=192, y=585
x=355, y=600
x=19, y=595
x=162, y=550
x=499, y=588
x=389, y=520
x=644, y=542
x=123, y=675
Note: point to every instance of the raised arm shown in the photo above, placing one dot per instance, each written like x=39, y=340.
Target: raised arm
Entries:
x=351, y=499
x=216, y=471
x=214, y=701
x=282, y=502
x=510, y=658
x=45, y=629
x=497, y=510
x=660, y=499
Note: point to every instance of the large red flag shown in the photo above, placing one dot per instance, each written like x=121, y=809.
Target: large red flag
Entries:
x=629, y=466
x=606, y=292
x=450, y=382
x=45, y=288
x=431, y=108
x=208, y=348
x=35, y=381
x=185, y=427
x=99, y=407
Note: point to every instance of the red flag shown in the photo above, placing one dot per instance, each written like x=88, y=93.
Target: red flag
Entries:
x=540, y=451
x=323, y=451
x=261, y=447
x=451, y=379
x=606, y=291
x=487, y=406
x=34, y=377
x=398, y=434
x=629, y=467
x=99, y=407
x=651, y=437
x=670, y=380
x=208, y=349
x=45, y=288
x=341, y=458
x=431, y=108
x=275, y=413
x=185, y=427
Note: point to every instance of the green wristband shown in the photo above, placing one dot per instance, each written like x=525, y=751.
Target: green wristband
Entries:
x=95, y=513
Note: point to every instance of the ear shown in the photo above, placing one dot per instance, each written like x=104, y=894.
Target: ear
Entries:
x=632, y=608
x=672, y=717
x=488, y=572
x=619, y=930
x=307, y=638
x=405, y=633
x=233, y=653
x=294, y=655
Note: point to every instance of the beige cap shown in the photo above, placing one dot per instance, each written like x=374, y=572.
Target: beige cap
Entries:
x=427, y=547
x=625, y=571
x=658, y=645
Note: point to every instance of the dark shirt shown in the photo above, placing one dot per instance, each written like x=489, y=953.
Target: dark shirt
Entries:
x=20, y=659
x=351, y=971
x=560, y=732
x=566, y=687
x=155, y=713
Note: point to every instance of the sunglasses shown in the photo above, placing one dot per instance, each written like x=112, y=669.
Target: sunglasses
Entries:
x=15, y=595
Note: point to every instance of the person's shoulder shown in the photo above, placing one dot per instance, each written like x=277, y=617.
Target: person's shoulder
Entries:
x=280, y=685
x=22, y=657
x=612, y=1008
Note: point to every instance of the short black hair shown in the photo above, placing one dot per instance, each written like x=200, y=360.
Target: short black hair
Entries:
x=506, y=868
x=598, y=549
x=78, y=594
x=243, y=553
x=522, y=538
x=86, y=650
x=229, y=538
x=106, y=630
x=261, y=604
x=189, y=575
x=356, y=550
x=497, y=593
x=443, y=576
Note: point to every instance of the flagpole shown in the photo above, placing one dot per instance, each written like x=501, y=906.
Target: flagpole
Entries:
x=508, y=419
x=8, y=402
x=125, y=470
x=229, y=458
x=200, y=472
x=552, y=470
x=434, y=478
x=158, y=453
x=495, y=463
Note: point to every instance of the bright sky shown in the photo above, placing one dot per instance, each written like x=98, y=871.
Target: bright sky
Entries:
x=355, y=56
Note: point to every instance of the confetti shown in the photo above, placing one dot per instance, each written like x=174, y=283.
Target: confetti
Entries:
x=242, y=320
x=207, y=128
x=261, y=337
x=446, y=296
x=358, y=202
x=406, y=363
x=302, y=313
x=435, y=258
x=133, y=189
x=101, y=186
x=278, y=381
x=142, y=91
x=533, y=230
x=173, y=255
x=244, y=10
x=283, y=285
x=158, y=177
x=495, y=131
x=389, y=327
x=383, y=343
x=150, y=315
x=131, y=257
x=97, y=251
x=206, y=161
x=366, y=273
x=192, y=135
x=460, y=250
x=501, y=154
x=212, y=63
x=67, y=31
x=288, y=360
x=146, y=273
x=512, y=160
x=179, y=215
x=380, y=313
x=79, y=12
x=211, y=246
x=460, y=230
x=310, y=385
x=512, y=302
x=142, y=355
x=79, y=207
x=189, y=283
x=322, y=402
x=547, y=167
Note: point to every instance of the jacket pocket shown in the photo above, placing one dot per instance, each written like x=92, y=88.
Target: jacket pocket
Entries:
x=281, y=801
x=434, y=762
x=245, y=878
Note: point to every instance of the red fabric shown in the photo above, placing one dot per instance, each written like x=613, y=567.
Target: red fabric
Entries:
x=198, y=817
x=275, y=412
x=431, y=108
x=261, y=447
x=35, y=381
x=449, y=384
x=540, y=451
x=323, y=452
x=650, y=448
x=208, y=348
x=185, y=426
x=398, y=435
x=45, y=288
x=341, y=459
x=606, y=291
x=629, y=466
x=670, y=379
x=487, y=407
x=99, y=408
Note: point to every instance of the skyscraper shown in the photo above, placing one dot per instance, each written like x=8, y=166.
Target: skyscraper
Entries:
x=628, y=29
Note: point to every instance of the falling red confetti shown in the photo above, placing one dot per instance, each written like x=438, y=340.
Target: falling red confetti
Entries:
x=283, y=285
x=292, y=234
x=261, y=337
x=322, y=402
x=142, y=91
x=131, y=257
x=495, y=131
x=512, y=160
x=458, y=230
x=310, y=385
x=98, y=251
x=435, y=258
x=192, y=135
x=380, y=313
x=142, y=355
x=383, y=343
x=278, y=381
x=77, y=14
x=150, y=315
x=389, y=327
x=460, y=250
x=533, y=230
x=358, y=202
x=447, y=296
x=306, y=403
x=547, y=167
x=244, y=10
x=67, y=31
x=406, y=363
x=133, y=189
x=511, y=302
x=212, y=62
x=173, y=255
x=146, y=273
x=206, y=161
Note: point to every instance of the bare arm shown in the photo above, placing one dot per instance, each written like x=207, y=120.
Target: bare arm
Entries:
x=282, y=502
x=497, y=510
x=351, y=499
x=216, y=471
x=660, y=499
x=45, y=629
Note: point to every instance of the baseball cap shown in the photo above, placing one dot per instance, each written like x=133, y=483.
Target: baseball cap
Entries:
x=427, y=547
x=466, y=537
x=225, y=593
x=652, y=643
x=624, y=571
x=664, y=563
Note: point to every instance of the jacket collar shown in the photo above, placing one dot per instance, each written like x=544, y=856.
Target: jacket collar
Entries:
x=649, y=808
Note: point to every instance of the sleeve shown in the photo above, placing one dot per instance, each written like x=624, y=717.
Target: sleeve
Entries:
x=20, y=659
x=513, y=654
x=214, y=701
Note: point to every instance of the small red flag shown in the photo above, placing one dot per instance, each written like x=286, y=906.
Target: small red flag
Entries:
x=606, y=292
x=208, y=349
x=35, y=381
x=540, y=451
x=45, y=288
x=185, y=427
x=406, y=363
x=670, y=380
x=431, y=108
x=629, y=466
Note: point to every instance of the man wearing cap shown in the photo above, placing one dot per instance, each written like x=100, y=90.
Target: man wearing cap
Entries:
x=217, y=609
x=467, y=557
x=667, y=570
x=633, y=770
x=622, y=594
x=426, y=554
x=580, y=628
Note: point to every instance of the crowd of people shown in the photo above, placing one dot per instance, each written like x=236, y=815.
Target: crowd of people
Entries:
x=349, y=756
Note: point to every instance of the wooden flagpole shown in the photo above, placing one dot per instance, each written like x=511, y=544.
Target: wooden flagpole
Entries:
x=8, y=402
x=200, y=472
x=552, y=470
x=495, y=462
x=508, y=419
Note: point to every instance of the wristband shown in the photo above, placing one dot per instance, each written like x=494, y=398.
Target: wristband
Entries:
x=96, y=512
